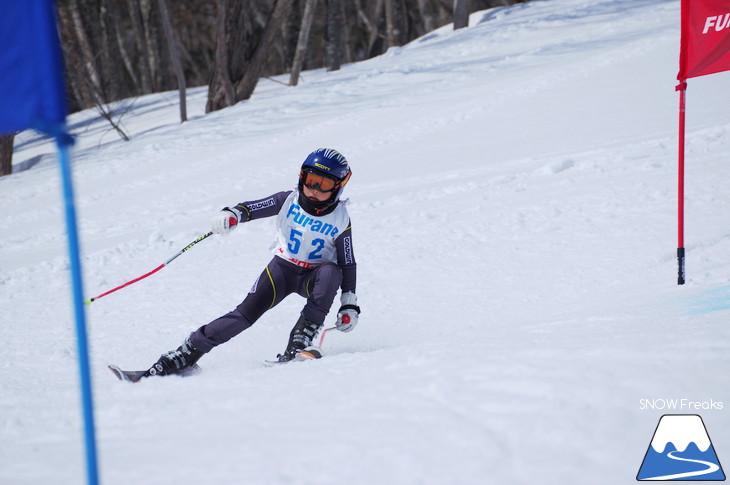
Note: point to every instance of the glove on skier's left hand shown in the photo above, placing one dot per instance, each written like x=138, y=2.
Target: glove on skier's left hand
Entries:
x=349, y=312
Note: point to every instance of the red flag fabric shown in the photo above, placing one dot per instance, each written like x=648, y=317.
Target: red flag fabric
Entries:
x=705, y=38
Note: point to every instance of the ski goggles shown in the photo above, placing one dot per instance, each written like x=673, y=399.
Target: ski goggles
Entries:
x=315, y=181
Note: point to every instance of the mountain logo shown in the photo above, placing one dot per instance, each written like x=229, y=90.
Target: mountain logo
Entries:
x=681, y=450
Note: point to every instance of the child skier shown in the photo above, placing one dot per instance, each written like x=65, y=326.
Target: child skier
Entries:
x=313, y=256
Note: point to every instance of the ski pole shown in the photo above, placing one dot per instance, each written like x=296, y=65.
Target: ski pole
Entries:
x=89, y=301
x=324, y=332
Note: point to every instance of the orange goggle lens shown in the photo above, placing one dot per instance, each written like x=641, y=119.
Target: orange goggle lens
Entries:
x=319, y=182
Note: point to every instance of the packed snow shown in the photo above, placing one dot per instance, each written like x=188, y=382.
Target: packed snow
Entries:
x=514, y=217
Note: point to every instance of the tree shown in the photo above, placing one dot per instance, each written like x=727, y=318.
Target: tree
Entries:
x=461, y=13
x=371, y=23
x=232, y=32
x=428, y=15
x=115, y=49
x=242, y=73
x=90, y=87
x=151, y=23
x=391, y=30
x=396, y=24
x=335, y=34
x=252, y=73
x=221, y=85
x=89, y=84
x=174, y=57
x=301, y=50
x=6, y=154
x=140, y=44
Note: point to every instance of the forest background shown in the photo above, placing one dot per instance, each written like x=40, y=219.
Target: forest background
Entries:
x=119, y=49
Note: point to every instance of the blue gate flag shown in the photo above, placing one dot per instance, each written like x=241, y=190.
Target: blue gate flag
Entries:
x=31, y=70
x=32, y=95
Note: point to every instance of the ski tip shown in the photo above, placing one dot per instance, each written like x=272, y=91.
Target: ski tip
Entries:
x=88, y=301
x=126, y=375
x=119, y=373
x=137, y=375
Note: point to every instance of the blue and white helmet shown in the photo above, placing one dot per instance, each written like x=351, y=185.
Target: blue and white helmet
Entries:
x=326, y=170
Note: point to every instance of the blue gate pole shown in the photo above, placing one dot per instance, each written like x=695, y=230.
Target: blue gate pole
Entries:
x=63, y=141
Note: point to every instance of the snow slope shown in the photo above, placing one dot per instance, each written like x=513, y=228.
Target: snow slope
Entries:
x=513, y=202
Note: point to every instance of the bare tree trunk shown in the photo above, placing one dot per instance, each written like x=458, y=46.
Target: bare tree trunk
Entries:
x=221, y=74
x=6, y=154
x=86, y=52
x=346, y=32
x=428, y=16
x=390, y=29
x=241, y=37
x=461, y=13
x=72, y=64
x=370, y=24
x=247, y=84
x=401, y=22
x=232, y=32
x=395, y=20
x=108, y=54
x=131, y=85
x=334, y=34
x=301, y=50
x=152, y=45
x=177, y=67
x=145, y=73
x=290, y=33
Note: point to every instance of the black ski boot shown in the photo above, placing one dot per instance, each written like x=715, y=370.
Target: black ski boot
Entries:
x=182, y=361
x=300, y=338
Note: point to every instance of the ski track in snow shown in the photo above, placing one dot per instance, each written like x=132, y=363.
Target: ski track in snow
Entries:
x=513, y=202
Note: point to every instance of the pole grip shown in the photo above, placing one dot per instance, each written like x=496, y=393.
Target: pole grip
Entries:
x=680, y=266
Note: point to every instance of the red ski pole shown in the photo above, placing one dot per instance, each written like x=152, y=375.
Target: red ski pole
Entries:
x=89, y=301
x=324, y=332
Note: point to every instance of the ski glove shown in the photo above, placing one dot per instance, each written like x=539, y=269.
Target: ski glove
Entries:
x=225, y=221
x=349, y=312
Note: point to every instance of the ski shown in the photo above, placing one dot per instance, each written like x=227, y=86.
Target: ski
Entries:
x=310, y=353
x=127, y=375
x=137, y=375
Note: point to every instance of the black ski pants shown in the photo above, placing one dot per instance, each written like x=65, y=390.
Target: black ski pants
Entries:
x=280, y=278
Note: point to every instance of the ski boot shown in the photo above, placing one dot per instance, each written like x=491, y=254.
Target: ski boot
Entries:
x=300, y=341
x=182, y=361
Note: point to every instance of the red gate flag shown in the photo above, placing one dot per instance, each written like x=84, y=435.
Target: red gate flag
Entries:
x=705, y=39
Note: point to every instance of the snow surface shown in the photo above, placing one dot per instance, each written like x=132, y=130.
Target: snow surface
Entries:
x=514, y=210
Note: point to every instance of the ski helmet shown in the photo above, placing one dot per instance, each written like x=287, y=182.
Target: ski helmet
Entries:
x=325, y=170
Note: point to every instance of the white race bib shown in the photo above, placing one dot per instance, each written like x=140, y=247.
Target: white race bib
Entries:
x=306, y=240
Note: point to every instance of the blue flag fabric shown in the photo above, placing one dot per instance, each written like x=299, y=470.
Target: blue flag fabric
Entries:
x=31, y=69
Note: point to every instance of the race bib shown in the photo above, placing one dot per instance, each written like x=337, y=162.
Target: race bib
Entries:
x=307, y=240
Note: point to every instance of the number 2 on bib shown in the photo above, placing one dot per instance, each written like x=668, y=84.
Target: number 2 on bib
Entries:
x=295, y=244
